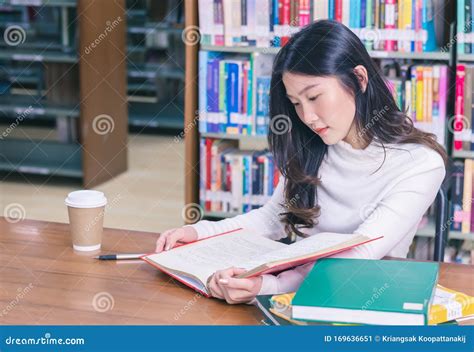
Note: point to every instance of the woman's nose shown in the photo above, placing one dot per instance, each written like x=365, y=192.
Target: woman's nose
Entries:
x=310, y=117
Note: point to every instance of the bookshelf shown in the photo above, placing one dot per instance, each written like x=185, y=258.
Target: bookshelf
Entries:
x=49, y=80
x=155, y=70
x=447, y=56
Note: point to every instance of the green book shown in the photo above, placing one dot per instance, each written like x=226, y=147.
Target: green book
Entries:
x=379, y=292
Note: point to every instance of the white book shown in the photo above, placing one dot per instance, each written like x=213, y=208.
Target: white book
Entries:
x=194, y=264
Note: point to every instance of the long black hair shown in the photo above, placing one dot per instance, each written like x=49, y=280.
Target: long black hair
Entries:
x=329, y=49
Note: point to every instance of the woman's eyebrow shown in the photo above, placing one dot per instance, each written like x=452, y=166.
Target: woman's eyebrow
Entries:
x=305, y=89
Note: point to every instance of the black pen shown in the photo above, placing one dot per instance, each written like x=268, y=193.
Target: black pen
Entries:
x=119, y=256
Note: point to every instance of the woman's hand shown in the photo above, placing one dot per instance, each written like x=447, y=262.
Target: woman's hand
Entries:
x=224, y=285
x=168, y=239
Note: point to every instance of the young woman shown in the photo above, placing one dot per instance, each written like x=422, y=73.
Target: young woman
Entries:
x=351, y=162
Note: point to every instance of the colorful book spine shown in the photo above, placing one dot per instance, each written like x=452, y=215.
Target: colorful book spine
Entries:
x=457, y=195
x=459, y=107
x=233, y=180
x=467, y=194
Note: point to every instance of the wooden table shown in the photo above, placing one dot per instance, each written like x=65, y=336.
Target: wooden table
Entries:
x=43, y=281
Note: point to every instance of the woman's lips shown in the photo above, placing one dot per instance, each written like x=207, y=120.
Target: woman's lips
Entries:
x=321, y=131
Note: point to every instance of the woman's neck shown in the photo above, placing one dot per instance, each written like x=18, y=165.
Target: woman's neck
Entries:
x=356, y=141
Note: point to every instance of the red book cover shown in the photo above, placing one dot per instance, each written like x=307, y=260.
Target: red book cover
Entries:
x=276, y=177
x=390, y=9
x=459, y=119
x=304, y=13
x=338, y=10
x=285, y=21
x=208, y=172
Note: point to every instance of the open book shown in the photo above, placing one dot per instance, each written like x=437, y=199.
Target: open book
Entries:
x=194, y=263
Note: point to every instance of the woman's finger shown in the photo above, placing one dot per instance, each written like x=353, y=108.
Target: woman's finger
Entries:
x=215, y=289
x=239, y=284
x=160, y=243
x=172, y=238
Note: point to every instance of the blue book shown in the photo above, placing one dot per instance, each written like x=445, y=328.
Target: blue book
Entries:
x=460, y=23
x=363, y=13
x=212, y=96
x=331, y=10
x=271, y=171
x=427, y=23
x=413, y=22
x=249, y=93
x=203, y=57
x=274, y=21
x=232, y=94
x=263, y=107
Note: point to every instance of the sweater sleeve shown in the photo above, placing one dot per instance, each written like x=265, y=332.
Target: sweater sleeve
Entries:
x=393, y=217
x=263, y=221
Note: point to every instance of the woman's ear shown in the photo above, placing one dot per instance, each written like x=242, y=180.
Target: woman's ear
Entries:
x=361, y=73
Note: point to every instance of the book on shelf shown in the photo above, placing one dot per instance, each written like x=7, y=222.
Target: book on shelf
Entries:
x=422, y=92
x=464, y=108
x=465, y=33
x=232, y=180
x=389, y=25
x=462, y=216
x=194, y=264
x=228, y=101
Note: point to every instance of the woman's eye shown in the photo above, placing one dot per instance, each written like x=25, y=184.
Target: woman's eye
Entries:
x=312, y=98
x=296, y=104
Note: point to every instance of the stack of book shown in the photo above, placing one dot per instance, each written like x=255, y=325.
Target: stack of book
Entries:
x=389, y=25
x=233, y=180
x=395, y=294
x=464, y=108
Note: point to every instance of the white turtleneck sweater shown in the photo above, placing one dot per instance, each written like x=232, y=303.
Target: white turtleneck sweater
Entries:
x=355, y=198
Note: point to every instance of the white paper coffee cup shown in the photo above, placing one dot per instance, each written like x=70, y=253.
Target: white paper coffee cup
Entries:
x=86, y=218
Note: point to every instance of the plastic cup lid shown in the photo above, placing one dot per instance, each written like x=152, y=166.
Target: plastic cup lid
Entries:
x=85, y=199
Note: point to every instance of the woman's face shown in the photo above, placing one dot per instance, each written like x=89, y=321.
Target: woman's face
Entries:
x=323, y=105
